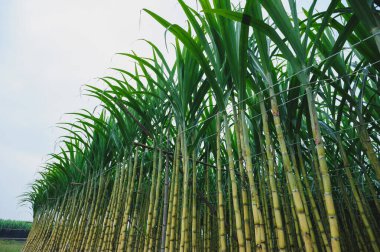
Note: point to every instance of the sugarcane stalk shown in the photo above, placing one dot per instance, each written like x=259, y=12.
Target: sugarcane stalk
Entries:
x=221, y=228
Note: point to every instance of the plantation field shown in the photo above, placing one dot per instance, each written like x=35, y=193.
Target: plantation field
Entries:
x=262, y=134
x=11, y=246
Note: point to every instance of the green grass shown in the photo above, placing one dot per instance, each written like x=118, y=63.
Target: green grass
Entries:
x=11, y=246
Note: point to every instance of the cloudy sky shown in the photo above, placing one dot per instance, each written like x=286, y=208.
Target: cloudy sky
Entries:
x=48, y=51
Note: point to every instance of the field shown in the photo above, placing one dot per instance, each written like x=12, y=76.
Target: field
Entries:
x=261, y=134
x=11, y=246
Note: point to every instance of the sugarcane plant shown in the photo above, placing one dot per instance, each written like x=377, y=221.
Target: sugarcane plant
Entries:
x=261, y=135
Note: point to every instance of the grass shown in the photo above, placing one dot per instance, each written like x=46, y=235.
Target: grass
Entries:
x=11, y=245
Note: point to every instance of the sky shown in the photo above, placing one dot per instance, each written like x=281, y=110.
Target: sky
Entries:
x=48, y=51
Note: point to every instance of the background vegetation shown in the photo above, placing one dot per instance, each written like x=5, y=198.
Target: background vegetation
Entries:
x=14, y=224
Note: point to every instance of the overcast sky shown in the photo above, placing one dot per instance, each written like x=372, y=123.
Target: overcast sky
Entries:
x=48, y=51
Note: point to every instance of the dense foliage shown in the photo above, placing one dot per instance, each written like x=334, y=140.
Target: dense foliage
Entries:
x=14, y=224
x=262, y=135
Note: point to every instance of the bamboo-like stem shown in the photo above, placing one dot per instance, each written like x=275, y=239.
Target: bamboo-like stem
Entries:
x=156, y=203
x=173, y=222
x=354, y=222
x=184, y=216
x=194, y=206
x=166, y=201
x=281, y=243
x=207, y=213
x=303, y=198
x=330, y=208
x=299, y=207
x=314, y=208
x=257, y=215
x=235, y=199
x=221, y=227
x=133, y=221
x=124, y=224
x=358, y=201
x=151, y=203
x=244, y=196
